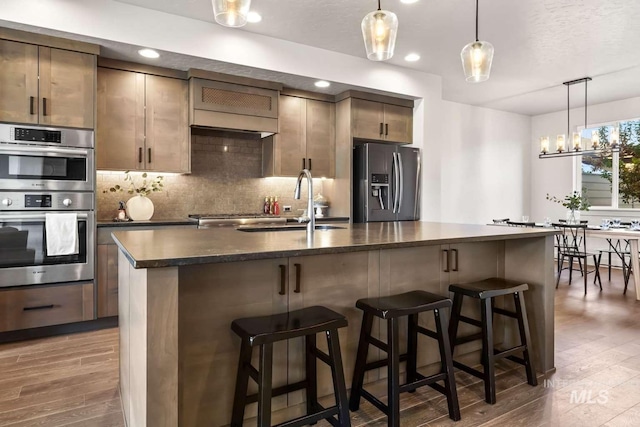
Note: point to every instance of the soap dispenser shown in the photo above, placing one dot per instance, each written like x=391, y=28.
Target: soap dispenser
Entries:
x=122, y=212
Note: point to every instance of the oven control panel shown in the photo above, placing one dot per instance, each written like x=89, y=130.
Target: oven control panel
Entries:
x=37, y=201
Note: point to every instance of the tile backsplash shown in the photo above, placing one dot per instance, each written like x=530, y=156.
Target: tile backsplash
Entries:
x=226, y=177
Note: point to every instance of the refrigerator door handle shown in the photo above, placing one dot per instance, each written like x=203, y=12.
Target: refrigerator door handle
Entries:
x=416, y=209
x=401, y=176
x=396, y=183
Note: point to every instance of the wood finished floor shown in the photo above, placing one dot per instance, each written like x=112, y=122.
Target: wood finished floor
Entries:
x=72, y=380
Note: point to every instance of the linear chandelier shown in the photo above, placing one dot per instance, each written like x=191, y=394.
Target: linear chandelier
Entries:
x=597, y=146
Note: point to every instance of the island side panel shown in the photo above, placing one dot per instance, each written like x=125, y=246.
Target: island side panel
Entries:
x=124, y=323
x=162, y=346
x=531, y=261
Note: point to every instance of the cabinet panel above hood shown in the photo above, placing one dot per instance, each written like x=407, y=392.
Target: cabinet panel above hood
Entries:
x=233, y=107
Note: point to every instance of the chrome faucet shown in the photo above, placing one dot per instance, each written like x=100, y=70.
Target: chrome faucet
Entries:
x=310, y=219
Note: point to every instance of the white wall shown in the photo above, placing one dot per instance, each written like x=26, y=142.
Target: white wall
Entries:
x=485, y=164
x=556, y=175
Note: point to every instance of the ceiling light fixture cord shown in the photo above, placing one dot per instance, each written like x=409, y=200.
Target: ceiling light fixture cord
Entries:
x=585, y=103
x=477, y=39
x=379, y=5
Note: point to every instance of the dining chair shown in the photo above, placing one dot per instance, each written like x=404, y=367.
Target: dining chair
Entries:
x=521, y=224
x=557, y=246
x=616, y=247
x=573, y=245
x=501, y=221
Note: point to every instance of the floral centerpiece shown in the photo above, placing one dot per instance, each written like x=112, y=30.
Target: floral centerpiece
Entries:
x=139, y=207
x=147, y=187
x=574, y=202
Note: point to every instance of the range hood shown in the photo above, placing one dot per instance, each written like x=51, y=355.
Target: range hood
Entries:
x=233, y=104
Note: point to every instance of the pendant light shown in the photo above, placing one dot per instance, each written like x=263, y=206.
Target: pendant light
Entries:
x=231, y=13
x=379, y=30
x=476, y=58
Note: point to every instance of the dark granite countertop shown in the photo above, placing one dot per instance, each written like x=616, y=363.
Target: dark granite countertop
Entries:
x=149, y=223
x=176, y=247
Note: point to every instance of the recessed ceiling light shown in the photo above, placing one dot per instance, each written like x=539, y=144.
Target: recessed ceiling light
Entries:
x=412, y=57
x=254, y=17
x=149, y=53
x=408, y=1
x=322, y=83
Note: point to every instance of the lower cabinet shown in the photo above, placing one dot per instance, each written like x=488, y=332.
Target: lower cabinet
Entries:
x=36, y=306
x=107, y=280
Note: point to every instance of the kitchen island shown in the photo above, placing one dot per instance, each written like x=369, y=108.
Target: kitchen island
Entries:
x=179, y=290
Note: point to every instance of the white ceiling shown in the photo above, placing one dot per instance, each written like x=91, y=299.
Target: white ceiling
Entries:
x=538, y=44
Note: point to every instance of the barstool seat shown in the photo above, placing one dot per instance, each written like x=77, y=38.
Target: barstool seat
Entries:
x=486, y=291
x=263, y=331
x=391, y=308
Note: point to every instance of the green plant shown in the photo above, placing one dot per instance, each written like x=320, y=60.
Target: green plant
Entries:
x=147, y=187
x=574, y=201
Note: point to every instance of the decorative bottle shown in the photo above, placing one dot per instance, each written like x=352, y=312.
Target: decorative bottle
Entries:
x=265, y=208
x=276, y=206
x=271, y=205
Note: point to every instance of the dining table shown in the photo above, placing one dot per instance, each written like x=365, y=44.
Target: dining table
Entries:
x=610, y=233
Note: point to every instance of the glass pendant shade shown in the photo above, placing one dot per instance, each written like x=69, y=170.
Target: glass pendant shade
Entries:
x=379, y=30
x=231, y=13
x=476, y=61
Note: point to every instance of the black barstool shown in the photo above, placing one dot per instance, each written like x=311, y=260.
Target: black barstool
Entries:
x=264, y=331
x=486, y=291
x=391, y=308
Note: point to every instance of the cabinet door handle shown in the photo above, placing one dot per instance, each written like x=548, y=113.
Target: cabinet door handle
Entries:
x=455, y=258
x=32, y=106
x=304, y=163
x=149, y=161
x=386, y=129
x=309, y=164
x=283, y=279
x=445, y=252
x=381, y=128
x=38, y=307
x=139, y=154
x=44, y=106
x=298, y=274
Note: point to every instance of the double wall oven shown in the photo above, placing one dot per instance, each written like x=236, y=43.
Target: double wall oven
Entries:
x=45, y=170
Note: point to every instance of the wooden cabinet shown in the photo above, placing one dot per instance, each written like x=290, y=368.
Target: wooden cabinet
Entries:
x=142, y=122
x=306, y=139
x=381, y=121
x=226, y=105
x=47, y=86
x=107, y=280
x=336, y=282
x=35, y=306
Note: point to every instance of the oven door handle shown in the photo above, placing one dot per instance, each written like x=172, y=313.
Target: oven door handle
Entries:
x=34, y=216
x=71, y=152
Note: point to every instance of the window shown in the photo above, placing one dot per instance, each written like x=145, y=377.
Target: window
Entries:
x=613, y=180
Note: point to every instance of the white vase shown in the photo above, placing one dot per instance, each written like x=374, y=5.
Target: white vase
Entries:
x=573, y=216
x=140, y=208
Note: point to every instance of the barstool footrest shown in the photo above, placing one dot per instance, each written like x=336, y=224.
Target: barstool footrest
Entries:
x=468, y=369
x=471, y=321
x=498, y=354
x=311, y=419
x=516, y=359
x=377, y=343
x=504, y=312
x=375, y=401
x=382, y=363
x=321, y=355
x=423, y=381
x=427, y=332
x=469, y=338
x=279, y=391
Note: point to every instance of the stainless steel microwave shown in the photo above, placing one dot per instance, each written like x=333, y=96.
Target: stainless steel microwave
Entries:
x=36, y=158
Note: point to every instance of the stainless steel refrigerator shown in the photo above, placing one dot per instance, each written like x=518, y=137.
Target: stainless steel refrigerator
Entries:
x=386, y=183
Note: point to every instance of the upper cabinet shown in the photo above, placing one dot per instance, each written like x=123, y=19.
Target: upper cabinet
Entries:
x=306, y=139
x=374, y=120
x=142, y=122
x=47, y=86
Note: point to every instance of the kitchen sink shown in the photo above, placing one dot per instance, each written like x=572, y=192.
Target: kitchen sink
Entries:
x=296, y=227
